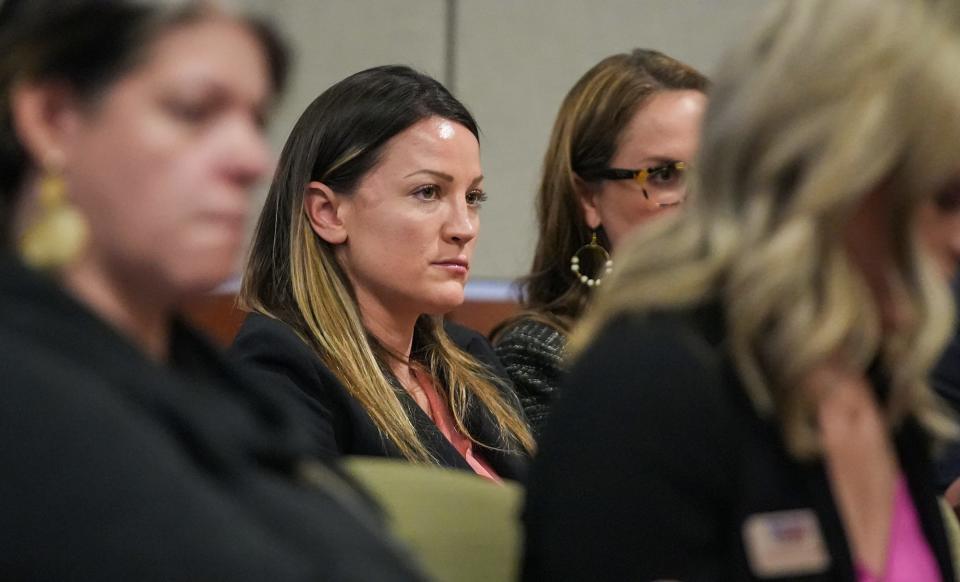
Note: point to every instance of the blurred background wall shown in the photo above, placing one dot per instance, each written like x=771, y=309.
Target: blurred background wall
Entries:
x=510, y=61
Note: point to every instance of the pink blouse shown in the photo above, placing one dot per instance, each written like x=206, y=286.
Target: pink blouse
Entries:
x=444, y=420
x=909, y=558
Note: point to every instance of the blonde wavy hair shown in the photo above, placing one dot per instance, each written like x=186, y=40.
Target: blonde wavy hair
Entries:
x=293, y=275
x=825, y=103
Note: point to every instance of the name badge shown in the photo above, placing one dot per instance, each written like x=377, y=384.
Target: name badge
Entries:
x=785, y=543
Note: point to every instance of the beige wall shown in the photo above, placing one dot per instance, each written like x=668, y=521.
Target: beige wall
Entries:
x=512, y=62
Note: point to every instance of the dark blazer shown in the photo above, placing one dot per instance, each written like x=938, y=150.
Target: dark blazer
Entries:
x=119, y=468
x=655, y=465
x=279, y=360
x=946, y=381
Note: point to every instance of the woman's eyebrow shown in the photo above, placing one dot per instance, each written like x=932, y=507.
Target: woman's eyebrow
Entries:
x=441, y=175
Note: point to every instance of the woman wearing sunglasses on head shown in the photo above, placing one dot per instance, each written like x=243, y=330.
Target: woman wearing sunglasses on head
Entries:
x=130, y=135
x=622, y=142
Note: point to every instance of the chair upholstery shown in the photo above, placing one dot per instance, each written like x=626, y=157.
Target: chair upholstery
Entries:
x=461, y=527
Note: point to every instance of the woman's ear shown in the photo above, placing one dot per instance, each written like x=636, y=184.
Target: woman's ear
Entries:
x=324, y=208
x=587, y=197
x=45, y=117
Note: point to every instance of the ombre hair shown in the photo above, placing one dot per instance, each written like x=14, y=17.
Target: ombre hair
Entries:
x=588, y=129
x=826, y=103
x=294, y=276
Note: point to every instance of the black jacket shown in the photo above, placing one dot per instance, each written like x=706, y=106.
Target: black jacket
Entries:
x=946, y=381
x=655, y=462
x=118, y=468
x=276, y=356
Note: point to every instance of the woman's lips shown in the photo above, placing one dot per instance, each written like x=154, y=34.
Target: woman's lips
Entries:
x=455, y=266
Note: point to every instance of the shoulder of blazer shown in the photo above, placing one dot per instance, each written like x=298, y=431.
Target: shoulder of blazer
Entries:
x=467, y=339
x=475, y=344
x=271, y=355
x=260, y=332
x=266, y=346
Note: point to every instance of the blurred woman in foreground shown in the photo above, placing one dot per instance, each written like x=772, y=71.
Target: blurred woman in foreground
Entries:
x=750, y=399
x=131, y=135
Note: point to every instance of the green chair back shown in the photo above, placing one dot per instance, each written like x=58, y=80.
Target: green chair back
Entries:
x=462, y=528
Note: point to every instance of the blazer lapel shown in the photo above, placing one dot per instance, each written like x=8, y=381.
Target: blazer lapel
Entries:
x=914, y=462
x=483, y=427
x=912, y=449
x=436, y=443
x=818, y=488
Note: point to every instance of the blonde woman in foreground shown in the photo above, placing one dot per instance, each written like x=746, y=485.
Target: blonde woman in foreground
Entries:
x=750, y=399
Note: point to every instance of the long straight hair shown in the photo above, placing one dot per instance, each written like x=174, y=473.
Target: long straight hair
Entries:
x=780, y=174
x=294, y=276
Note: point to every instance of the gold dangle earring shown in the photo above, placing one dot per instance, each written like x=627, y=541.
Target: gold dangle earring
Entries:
x=601, y=257
x=59, y=233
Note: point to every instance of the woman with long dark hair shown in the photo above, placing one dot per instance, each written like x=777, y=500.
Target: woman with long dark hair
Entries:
x=364, y=242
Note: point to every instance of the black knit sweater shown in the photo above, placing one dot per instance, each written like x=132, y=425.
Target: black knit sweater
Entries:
x=532, y=353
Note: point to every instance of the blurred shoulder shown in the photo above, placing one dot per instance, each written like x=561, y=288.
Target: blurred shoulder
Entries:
x=475, y=344
x=661, y=362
